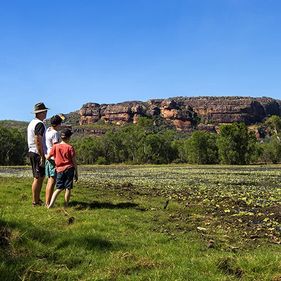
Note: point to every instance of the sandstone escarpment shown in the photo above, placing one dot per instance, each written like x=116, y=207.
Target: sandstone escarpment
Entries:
x=184, y=112
x=217, y=110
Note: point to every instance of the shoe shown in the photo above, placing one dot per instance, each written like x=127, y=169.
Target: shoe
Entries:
x=39, y=203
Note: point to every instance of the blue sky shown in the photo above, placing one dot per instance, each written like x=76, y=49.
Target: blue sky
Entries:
x=69, y=52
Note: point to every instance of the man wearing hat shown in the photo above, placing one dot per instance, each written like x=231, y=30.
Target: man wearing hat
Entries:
x=37, y=150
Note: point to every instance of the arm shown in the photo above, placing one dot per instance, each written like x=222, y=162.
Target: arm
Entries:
x=51, y=153
x=39, y=144
x=39, y=141
x=48, y=156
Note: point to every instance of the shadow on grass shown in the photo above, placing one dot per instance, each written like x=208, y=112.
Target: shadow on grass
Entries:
x=5, y=235
x=90, y=243
x=16, y=251
x=79, y=205
x=28, y=231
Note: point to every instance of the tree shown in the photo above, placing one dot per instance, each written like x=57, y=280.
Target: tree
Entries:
x=156, y=149
x=201, y=148
x=179, y=149
x=113, y=148
x=132, y=139
x=271, y=150
x=88, y=150
x=233, y=144
x=274, y=124
x=12, y=147
x=255, y=150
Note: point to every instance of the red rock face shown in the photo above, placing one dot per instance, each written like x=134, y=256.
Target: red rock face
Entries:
x=182, y=125
x=89, y=113
x=117, y=118
x=88, y=120
x=117, y=114
x=136, y=118
x=228, y=109
x=184, y=112
x=169, y=113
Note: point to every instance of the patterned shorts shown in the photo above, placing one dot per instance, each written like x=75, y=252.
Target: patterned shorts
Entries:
x=50, y=168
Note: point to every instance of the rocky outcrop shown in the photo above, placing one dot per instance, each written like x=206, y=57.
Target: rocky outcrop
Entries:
x=184, y=112
x=90, y=113
x=174, y=112
x=271, y=106
x=218, y=110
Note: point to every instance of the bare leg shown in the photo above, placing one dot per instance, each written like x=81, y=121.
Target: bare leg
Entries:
x=50, y=189
x=54, y=197
x=67, y=197
x=36, y=189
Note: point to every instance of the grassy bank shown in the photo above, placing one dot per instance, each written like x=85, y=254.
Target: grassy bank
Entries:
x=146, y=223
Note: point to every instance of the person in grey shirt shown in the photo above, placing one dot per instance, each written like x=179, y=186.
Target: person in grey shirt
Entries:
x=52, y=137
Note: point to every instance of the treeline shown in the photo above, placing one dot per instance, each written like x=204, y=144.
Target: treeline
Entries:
x=149, y=143
x=146, y=143
x=13, y=146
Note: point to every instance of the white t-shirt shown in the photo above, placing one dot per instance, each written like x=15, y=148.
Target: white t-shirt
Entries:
x=32, y=131
x=52, y=136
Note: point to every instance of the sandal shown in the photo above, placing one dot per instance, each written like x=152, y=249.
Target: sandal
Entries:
x=39, y=203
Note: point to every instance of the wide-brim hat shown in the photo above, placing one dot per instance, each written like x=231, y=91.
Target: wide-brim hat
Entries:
x=40, y=107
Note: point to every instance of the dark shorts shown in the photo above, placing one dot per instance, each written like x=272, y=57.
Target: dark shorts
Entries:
x=65, y=179
x=35, y=165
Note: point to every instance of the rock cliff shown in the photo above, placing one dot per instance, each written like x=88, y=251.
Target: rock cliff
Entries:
x=184, y=113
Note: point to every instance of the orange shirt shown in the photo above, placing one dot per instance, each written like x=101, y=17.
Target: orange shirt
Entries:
x=63, y=154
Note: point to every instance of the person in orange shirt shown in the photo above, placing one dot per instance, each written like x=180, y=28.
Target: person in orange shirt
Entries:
x=66, y=167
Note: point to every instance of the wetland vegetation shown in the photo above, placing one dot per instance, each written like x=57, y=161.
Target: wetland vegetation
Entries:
x=146, y=222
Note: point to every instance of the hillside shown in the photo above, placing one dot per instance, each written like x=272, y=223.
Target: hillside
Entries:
x=20, y=125
x=184, y=113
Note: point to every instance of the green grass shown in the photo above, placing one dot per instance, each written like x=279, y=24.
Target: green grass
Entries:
x=221, y=223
